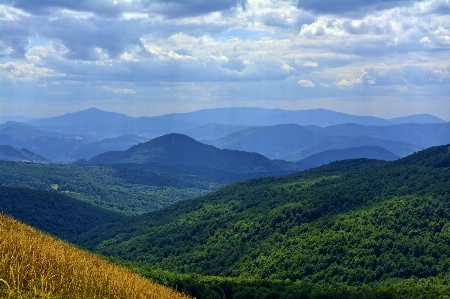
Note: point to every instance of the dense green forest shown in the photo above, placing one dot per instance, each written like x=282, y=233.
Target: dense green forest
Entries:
x=351, y=223
x=126, y=188
x=52, y=212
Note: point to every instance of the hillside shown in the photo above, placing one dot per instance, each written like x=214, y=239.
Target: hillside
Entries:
x=8, y=153
x=178, y=149
x=52, y=212
x=35, y=265
x=353, y=222
x=368, y=152
x=146, y=187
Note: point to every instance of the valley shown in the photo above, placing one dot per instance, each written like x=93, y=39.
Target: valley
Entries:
x=284, y=210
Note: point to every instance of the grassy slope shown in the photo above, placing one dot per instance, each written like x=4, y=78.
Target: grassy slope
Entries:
x=355, y=221
x=35, y=265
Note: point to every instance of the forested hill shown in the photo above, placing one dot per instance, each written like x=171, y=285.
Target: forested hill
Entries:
x=52, y=212
x=178, y=149
x=355, y=221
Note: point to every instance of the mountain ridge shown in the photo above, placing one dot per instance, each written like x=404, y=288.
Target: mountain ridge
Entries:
x=183, y=150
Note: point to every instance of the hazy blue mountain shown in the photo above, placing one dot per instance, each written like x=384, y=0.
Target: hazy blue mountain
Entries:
x=274, y=142
x=9, y=153
x=294, y=142
x=417, y=119
x=93, y=149
x=398, y=148
x=421, y=135
x=368, y=152
x=46, y=144
x=100, y=123
x=265, y=117
x=178, y=149
x=212, y=131
x=103, y=124
x=17, y=118
x=61, y=147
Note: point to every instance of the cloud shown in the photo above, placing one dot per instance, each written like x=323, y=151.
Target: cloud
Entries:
x=107, y=8
x=121, y=90
x=349, y=6
x=306, y=83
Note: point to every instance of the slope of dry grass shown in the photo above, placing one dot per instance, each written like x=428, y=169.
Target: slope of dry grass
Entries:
x=35, y=265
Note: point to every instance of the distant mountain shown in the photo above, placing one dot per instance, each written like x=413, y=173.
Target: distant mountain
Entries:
x=178, y=149
x=17, y=118
x=9, y=153
x=212, y=131
x=398, y=148
x=274, y=142
x=368, y=152
x=104, y=124
x=420, y=135
x=267, y=117
x=418, y=119
x=46, y=144
x=61, y=147
x=294, y=142
x=90, y=150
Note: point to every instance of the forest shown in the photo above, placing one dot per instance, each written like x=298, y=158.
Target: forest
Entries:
x=355, y=223
x=350, y=229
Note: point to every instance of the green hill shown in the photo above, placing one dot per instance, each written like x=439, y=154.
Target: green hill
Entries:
x=178, y=149
x=52, y=212
x=353, y=222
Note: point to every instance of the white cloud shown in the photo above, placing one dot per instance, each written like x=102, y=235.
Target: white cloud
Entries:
x=395, y=48
x=306, y=83
x=121, y=90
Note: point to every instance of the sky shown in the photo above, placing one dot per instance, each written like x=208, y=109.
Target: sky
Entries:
x=151, y=57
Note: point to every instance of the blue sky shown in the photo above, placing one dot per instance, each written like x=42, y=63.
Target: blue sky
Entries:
x=152, y=57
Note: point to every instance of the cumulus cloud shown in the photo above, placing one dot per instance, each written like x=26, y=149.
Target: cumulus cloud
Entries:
x=376, y=46
x=121, y=90
x=349, y=6
x=306, y=83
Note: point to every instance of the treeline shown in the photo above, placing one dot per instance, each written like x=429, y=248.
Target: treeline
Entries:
x=203, y=287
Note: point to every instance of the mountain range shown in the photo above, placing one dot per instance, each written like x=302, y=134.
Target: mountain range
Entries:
x=274, y=133
x=178, y=149
x=109, y=124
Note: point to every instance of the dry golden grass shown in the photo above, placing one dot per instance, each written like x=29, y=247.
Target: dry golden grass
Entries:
x=35, y=265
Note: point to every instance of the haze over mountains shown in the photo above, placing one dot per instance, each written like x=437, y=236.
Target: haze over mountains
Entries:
x=274, y=133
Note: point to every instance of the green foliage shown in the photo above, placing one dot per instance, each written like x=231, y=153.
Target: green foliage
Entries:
x=128, y=190
x=54, y=213
x=203, y=287
x=352, y=222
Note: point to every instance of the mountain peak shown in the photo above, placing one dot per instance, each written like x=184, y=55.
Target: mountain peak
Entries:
x=179, y=149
